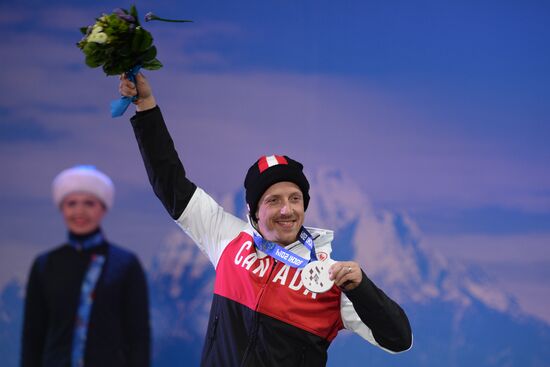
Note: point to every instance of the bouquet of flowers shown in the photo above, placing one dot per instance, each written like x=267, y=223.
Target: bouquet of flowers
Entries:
x=119, y=44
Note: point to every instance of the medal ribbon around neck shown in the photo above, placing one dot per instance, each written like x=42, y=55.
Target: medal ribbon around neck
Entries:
x=286, y=256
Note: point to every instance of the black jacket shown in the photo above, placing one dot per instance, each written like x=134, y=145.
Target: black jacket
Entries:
x=118, y=332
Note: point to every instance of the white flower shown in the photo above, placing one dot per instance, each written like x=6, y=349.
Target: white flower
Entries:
x=97, y=37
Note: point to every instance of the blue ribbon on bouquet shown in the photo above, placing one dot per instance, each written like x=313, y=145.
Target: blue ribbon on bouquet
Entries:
x=119, y=106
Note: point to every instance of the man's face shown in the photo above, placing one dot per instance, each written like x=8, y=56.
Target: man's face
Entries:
x=281, y=213
x=82, y=212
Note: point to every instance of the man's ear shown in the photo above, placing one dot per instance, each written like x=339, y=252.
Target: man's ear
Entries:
x=253, y=217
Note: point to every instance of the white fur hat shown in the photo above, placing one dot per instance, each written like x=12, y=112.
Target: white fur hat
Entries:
x=83, y=179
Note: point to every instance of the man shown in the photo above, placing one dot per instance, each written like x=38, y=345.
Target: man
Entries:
x=86, y=303
x=262, y=314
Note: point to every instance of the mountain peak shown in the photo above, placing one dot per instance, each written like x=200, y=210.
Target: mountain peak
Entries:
x=389, y=247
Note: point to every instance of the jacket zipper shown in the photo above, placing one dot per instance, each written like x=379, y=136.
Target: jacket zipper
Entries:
x=212, y=334
x=303, y=364
x=255, y=319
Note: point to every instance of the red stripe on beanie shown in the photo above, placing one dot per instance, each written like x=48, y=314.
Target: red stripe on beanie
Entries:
x=281, y=159
x=262, y=164
x=269, y=161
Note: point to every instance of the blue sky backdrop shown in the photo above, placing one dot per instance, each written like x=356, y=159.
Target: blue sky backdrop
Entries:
x=436, y=109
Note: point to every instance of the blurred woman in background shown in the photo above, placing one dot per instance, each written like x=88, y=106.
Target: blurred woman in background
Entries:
x=86, y=302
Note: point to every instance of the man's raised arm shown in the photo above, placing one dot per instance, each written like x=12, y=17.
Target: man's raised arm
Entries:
x=164, y=168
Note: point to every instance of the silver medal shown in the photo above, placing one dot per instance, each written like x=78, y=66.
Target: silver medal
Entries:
x=315, y=276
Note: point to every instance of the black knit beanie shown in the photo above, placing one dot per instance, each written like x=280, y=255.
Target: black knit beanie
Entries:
x=269, y=170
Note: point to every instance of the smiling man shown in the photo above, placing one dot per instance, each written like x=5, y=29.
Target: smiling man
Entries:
x=281, y=213
x=279, y=299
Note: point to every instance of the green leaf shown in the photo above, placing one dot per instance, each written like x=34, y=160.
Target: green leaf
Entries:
x=152, y=65
x=113, y=68
x=124, y=50
x=84, y=30
x=136, y=40
x=108, y=70
x=133, y=12
x=127, y=65
x=92, y=61
x=150, y=54
x=142, y=40
x=90, y=48
x=147, y=41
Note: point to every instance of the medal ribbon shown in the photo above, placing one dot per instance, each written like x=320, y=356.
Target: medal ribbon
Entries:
x=285, y=256
x=84, y=310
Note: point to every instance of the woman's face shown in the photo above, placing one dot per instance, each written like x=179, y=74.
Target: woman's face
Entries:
x=82, y=212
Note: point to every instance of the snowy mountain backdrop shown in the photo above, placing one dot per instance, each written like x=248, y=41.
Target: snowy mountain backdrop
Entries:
x=458, y=316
